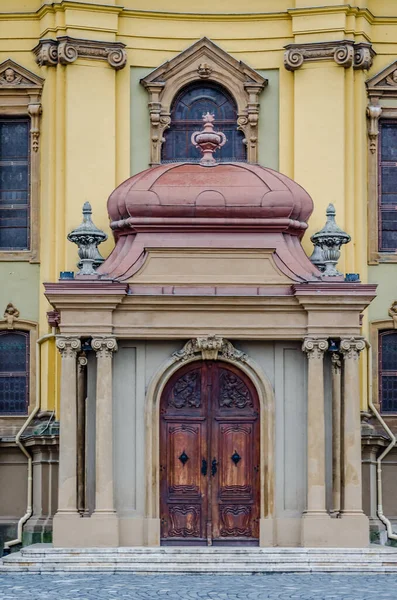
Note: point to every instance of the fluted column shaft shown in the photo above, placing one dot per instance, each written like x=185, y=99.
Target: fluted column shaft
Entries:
x=104, y=497
x=352, y=486
x=336, y=431
x=67, y=491
x=315, y=349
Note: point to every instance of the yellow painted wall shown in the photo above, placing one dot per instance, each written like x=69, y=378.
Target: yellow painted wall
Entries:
x=95, y=123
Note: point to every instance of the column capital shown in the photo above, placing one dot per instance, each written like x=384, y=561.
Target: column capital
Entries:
x=351, y=347
x=68, y=346
x=82, y=361
x=104, y=346
x=336, y=361
x=315, y=347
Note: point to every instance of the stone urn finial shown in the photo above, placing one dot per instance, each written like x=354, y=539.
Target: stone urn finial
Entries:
x=328, y=241
x=87, y=236
x=208, y=141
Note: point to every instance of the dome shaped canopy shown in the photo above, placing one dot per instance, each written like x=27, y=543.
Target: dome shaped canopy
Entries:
x=223, y=191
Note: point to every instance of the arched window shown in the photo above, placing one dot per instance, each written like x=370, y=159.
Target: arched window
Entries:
x=388, y=371
x=14, y=372
x=187, y=116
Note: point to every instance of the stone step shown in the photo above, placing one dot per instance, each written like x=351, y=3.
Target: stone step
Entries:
x=43, y=558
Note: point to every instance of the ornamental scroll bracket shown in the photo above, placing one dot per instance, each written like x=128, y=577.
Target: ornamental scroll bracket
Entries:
x=345, y=53
x=210, y=348
x=66, y=50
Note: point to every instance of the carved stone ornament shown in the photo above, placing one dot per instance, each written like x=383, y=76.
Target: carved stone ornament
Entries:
x=104, y=346
x=315, y=347
x=210, y=348
x=65, y=50
x=203, y=60
x=374, y=112
x=336, y=362
x=87, y=236
x=344, y=52
x=393, y=313
x=82, y=361
x=10, y=314
x=68, y=346
x=204, y=70
x=330, y=239
x=350, y=348
x=46, y=53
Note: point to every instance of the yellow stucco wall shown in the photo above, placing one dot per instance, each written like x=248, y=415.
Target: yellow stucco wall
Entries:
x=94, y=128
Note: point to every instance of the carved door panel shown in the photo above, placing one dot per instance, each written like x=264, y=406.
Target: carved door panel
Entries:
x=183, y=456
x=235, y=445
x=209, y=457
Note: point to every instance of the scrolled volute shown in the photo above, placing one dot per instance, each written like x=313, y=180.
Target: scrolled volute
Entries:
x=351, y=347
x=315, y=347
x=104, y=346
x=68, y=346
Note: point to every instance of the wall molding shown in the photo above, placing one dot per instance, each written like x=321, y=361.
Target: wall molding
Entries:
x=66, y=50
x=345, y=53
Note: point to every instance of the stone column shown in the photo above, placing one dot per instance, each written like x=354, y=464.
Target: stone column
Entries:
x=314, y=530
x=67, y=491
x=104, y=501
x=336, y=432
x=315, y=349
x=352, y=500
x=81, y=396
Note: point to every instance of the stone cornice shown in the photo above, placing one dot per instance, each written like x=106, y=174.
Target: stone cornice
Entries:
x=66, y=50
x=345, y=53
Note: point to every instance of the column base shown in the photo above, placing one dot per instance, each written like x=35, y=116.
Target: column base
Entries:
x=316, y=530
x=98, y=531
x=348, y=531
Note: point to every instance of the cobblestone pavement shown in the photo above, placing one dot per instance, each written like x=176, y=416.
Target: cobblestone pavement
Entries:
x=202, y=587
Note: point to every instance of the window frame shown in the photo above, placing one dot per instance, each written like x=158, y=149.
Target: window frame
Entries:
x=22, y=99
x=31, y=328
x=201, y=84
x=28, y=203
x=381, y=372
x=25, y=373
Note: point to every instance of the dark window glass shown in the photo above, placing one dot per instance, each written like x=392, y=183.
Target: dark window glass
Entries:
x=388, y=371
x=187, y=113
x=14, y=372
x=14, y=184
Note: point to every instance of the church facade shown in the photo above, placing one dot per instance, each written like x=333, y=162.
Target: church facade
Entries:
x=209, y=357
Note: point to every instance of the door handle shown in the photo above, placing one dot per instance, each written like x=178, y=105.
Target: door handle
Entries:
x=214, y=467
x=204, y=467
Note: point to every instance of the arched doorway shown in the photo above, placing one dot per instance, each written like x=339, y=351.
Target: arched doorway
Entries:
x=209, y=456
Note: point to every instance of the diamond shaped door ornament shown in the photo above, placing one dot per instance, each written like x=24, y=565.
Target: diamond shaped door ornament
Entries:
x=236, y=457
x=184, y=458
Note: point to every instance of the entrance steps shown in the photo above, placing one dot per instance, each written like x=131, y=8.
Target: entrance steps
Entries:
x=43, y=558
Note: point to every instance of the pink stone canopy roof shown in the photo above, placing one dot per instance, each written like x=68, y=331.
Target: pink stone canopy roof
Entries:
x=229, y=191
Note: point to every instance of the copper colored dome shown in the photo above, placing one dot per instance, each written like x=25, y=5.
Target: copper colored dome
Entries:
x=224, y=191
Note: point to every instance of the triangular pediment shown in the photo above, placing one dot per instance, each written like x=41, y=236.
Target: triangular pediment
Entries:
x=14, y=76
x=207, y=52
x=385, y=82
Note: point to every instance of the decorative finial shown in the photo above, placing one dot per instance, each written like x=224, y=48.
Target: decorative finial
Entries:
x=208, y=140
x=327, y=243
x=87, y=236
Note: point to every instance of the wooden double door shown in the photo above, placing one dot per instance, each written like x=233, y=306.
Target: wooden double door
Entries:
x=209, y=457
